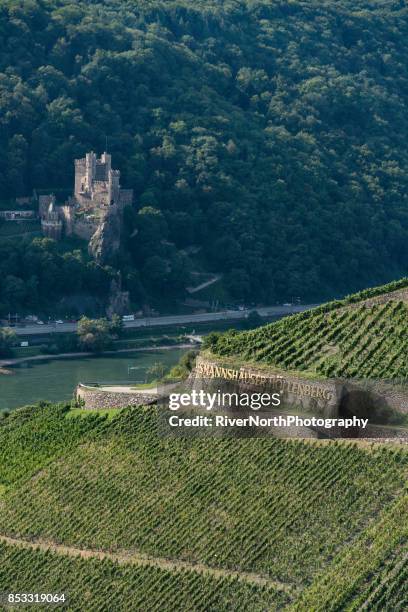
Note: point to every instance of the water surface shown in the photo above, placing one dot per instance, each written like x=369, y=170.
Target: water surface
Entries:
x=55, y=380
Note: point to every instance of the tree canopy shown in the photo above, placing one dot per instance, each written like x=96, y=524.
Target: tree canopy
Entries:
x=97, y=335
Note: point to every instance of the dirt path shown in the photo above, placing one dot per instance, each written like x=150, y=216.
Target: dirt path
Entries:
x=211, y=281
x=136, y=558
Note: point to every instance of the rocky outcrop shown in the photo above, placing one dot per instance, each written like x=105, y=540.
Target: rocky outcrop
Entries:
x=119, y=302
x=106, y=240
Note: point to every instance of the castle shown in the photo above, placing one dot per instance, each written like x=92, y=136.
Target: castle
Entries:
x=98, y=200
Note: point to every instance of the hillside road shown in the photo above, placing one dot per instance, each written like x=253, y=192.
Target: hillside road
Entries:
x=207, y=317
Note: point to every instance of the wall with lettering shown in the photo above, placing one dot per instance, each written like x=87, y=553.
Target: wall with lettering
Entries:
x=318, y=396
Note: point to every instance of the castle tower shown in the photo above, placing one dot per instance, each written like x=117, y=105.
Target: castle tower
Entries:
x=97, y=186
x=106, y=160
x=85, y=174
x=114, y=186
x=51, y=222
x=90, y=170
x=80, y=171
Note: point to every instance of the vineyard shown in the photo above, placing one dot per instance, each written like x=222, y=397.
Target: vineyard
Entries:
x=286, y=511
x=343, y=339
x=377, y=580
x=33, y=436
x=389, y=589
x=103, y=585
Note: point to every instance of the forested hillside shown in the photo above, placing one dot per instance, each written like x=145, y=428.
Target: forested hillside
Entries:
x=270, y=134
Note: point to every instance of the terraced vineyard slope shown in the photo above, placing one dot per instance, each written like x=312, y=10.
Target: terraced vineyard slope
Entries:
x=90, y=584
x=198, y=524
x=365, y=336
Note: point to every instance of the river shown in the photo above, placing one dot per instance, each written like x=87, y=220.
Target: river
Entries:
x=55, y=380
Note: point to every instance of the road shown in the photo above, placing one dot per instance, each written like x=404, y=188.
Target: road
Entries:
x=226, y=315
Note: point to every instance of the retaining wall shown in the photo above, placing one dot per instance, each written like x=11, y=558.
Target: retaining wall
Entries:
x=321, y=397
x=97, y=399
x=377, y=400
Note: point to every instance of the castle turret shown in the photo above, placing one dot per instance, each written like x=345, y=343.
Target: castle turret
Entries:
x=51, y=222
x=106, y=159
x=80, y=171
x=90, y=170
x=114, y=186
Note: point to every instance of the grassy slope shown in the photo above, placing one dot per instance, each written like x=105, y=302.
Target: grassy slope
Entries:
x=293, y=511
x=338, y=339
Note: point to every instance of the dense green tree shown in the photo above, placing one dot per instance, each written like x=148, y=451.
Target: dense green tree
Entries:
x=269, y=136
x=7, y=340
x=35, y=273
x=116, y=326
x=96, y=335
x=156, y=371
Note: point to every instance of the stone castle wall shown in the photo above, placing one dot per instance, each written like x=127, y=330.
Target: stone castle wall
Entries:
x=67, y=215
x=84, y=229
